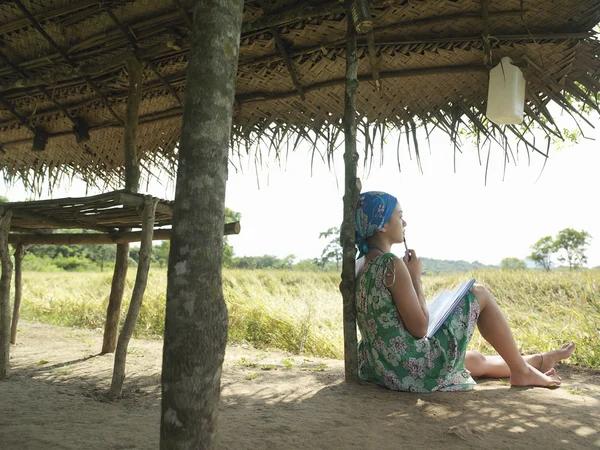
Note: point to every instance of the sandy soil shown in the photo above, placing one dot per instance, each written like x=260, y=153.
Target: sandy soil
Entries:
x=55, y=399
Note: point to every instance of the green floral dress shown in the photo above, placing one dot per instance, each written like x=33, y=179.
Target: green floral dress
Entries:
x=390, y=356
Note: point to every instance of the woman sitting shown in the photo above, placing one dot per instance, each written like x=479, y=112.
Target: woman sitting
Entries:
x=393, y=319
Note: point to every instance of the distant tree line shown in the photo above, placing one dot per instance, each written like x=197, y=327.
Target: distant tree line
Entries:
x=568, y=247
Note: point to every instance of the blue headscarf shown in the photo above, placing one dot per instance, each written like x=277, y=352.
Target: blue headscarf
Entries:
x=373, y=211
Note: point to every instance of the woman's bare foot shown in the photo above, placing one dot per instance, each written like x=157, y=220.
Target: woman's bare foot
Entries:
x=550, y=359
x=530, y=376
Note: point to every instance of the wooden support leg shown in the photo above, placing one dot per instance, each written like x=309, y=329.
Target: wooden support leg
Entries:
x=19, y=252
x=5, y=278
x=113, y=311
x=352, y=190
x=141, y=279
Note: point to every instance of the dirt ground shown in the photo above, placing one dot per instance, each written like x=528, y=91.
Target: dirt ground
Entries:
x=55, y=399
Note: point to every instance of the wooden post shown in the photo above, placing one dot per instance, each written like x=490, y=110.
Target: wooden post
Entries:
x=132, y=180
x=19, y=252
x=352, y=190
x=5, y=278
x=113, y=310
x=132, y=170
x=137, y=296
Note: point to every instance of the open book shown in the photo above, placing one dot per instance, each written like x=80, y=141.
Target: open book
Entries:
x=443, y=305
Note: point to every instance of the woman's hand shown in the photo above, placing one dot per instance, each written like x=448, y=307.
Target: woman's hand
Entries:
x=414, y=265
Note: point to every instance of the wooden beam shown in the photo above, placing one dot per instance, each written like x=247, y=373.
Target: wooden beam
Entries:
x=53, y=223
x=373, y=61
x=100, y=239
x=287, y=60
x=283, y=52
x=352, y=189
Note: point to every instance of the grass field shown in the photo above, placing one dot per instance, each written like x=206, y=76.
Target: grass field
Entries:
x=301, y=312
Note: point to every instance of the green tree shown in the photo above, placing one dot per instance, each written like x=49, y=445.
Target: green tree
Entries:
x=333, y=250
x=4, y=199
x=512, y=264
x=541, y=252
x=160, y=254
x=101, y=254
x=572, y=246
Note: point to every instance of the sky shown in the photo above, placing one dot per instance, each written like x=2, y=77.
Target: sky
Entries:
x=450, y=215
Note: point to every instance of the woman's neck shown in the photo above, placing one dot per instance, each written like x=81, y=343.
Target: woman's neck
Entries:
x=379, y=245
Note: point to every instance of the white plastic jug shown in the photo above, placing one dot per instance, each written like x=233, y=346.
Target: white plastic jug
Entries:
x=506, y=94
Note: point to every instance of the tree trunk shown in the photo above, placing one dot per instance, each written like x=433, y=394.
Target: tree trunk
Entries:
x=352, y=190
x=5, y=278
x=196, y=319
x=19, y=252
x=113, y=310
x=141, y=279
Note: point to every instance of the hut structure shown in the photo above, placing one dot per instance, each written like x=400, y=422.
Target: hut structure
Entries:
x=95, y=89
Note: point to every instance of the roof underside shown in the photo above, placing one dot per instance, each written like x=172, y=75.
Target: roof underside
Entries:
x=62, y=64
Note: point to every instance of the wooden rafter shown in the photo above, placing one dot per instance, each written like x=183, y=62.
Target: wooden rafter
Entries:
x=284, y=54
x=288, y=61
x=66, y=57
x=135, y=47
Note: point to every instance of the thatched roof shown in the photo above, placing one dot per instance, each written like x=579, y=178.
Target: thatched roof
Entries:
x=62, y=68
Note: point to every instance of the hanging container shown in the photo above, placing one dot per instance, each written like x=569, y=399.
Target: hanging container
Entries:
x=506, y=94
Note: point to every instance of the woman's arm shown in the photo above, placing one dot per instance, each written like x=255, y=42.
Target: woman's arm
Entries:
x=407, y=292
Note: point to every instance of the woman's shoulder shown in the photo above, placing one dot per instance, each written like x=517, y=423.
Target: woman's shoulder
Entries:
x=380, y=260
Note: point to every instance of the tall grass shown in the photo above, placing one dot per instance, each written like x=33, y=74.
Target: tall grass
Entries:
x=301, y=312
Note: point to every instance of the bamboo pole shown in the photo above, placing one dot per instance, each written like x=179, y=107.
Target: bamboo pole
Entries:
x=141, y=279
x=352, y=189
x=19, y=252
x=5, y=278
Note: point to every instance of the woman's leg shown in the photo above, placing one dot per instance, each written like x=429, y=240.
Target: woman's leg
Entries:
x=494, y=329
x=481, y=365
